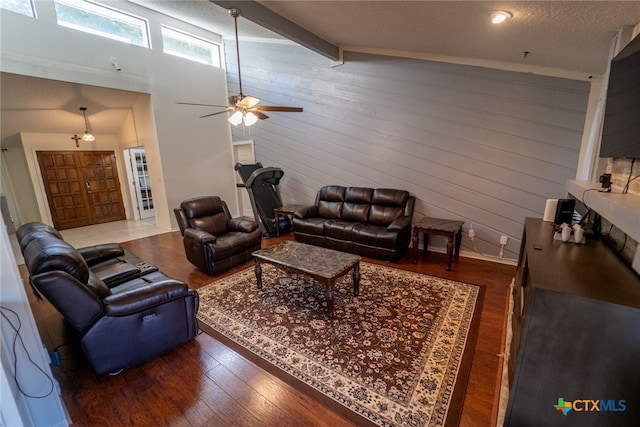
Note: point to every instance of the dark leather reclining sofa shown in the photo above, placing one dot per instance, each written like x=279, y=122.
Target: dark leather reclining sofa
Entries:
x=122, y=309
x=364, y=221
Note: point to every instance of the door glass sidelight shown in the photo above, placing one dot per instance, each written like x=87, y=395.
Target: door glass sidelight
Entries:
x=141, y=182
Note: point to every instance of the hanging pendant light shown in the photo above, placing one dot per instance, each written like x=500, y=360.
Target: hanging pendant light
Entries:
x=88, y=136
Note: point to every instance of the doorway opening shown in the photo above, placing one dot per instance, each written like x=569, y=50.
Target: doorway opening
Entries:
x=139, y=183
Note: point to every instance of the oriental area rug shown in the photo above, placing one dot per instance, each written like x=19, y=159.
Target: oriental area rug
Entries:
x=399, y=354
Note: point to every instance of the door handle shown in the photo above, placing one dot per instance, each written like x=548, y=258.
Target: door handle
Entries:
x=86, y=184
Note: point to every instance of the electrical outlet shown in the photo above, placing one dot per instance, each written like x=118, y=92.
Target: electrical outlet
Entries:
x=472, y=233
x=503, y=240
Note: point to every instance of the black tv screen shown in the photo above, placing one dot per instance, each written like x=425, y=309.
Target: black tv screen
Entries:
x=621, y=126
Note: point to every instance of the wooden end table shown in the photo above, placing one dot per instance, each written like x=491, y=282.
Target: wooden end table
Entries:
x=284, y=210
x=437, y=226
x=324, y=265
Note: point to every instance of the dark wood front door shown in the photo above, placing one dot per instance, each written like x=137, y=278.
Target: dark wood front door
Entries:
x=82, y=187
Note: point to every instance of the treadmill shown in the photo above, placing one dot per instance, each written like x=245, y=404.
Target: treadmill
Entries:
x=264, y=193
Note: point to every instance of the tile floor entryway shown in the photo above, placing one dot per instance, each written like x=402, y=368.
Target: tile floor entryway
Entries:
x=117, y=231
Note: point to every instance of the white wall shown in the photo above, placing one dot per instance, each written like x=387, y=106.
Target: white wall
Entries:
x=188, y=156
x=43, y=407
x=16, y=169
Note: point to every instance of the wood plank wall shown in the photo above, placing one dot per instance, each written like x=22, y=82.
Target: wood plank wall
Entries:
x=481, y=145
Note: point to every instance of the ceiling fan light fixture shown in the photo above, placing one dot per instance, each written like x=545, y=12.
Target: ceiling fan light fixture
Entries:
x=250, y=118
x=499, y=16
x=236, y=118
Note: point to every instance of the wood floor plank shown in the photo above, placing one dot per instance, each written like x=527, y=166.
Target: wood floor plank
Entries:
x=204, y=383
x=298, y=406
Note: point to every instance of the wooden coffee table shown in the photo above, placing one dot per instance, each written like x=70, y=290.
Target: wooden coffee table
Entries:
x=322, y=264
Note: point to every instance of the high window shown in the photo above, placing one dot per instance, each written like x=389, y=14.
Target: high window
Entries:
x=103, y=21
x=23, y=7
x=190, y=47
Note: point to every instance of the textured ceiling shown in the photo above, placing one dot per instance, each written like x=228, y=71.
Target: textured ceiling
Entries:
x=569, y=35
x=32, y=104
x=563, y=35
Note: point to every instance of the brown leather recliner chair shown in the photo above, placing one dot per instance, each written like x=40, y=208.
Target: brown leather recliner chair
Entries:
x=213, y=241
x=119, y=326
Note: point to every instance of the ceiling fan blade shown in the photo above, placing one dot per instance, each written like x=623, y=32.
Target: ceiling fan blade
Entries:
x=202, y=105
x=215, y=114
x=260, y=115
x=278, y=108
x=248, y=102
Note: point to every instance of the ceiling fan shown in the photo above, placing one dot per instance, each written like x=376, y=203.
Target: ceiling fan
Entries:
x=245, y=108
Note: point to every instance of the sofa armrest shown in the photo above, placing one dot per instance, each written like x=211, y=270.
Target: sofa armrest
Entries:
x=144, y=297
x=98, y=253
x=306, y=212
x=400, y=224
x=244, y=225
x=199, y=236
x=77, y=302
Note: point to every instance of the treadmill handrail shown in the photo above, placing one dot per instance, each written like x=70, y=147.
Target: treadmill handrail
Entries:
x=270, y=174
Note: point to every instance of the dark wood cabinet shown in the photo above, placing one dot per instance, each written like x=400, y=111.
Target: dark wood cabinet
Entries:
x=576, y=334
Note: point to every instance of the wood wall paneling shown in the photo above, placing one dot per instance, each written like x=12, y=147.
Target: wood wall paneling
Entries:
x=482, y=145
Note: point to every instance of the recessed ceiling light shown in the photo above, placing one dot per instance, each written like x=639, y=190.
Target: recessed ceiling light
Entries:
x=499, y=16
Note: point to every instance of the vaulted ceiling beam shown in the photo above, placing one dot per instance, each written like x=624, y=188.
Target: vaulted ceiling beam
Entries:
x=270, y=20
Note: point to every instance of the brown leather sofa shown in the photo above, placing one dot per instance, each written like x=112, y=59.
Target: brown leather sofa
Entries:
x=365, y=221
x=110, y=262
x=120, y=324
x=213, y=241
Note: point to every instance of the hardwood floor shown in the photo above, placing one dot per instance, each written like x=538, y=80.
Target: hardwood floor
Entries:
x=204, y=383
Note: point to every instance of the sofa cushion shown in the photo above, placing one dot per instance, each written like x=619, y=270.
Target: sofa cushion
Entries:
x=332, y=193
x=32, y=230
x=48, y=253
x=356, y=212
x=387, y=205
x=314, y=225
x=329, y=210
x=232, y=243
x=372, y=235
x=339, y=229
x=214, y=224
x=115, y=271
x=206, y=214
x=384, y=215
x=357, y=202
x=389, y=197
x=330, y=200
x=358, y=195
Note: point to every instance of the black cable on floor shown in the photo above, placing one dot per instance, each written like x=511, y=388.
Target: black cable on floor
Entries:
x=18, y=338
